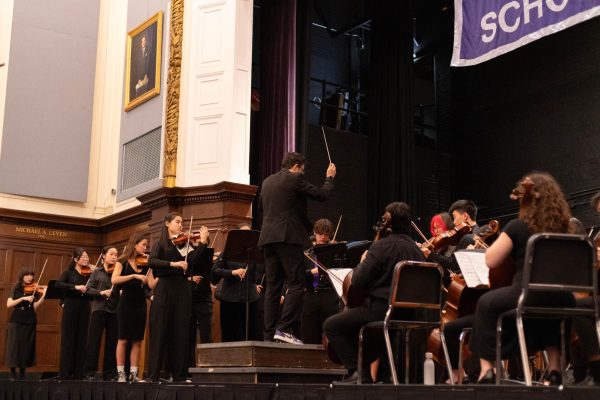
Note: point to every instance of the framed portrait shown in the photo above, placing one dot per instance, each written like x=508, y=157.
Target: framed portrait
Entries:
x=142, y=72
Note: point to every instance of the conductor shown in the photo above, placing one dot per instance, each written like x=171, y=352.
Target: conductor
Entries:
x=284, y=236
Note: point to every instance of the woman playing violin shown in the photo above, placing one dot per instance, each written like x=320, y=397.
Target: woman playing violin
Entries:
x=20, y=335
x=463, y=212
x=104, y=317
x=171, y=308
x=542, y=208
x=75, y=316
x=132, y=278
x=374, y=274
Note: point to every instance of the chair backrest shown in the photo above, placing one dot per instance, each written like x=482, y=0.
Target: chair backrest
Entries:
x=560, y=262
x=416, y=284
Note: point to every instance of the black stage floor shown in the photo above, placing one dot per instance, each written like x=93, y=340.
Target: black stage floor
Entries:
x=76, y=390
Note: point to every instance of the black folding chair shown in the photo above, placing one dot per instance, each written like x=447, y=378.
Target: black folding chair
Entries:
x=553, y=263
x=417, y=286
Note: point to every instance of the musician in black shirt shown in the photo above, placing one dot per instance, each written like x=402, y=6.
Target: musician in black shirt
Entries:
x=374, y=275
x=75, y=316
x=171, y=308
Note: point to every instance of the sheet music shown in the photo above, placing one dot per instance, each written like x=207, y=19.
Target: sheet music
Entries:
x=473, y=267
x=339, y=275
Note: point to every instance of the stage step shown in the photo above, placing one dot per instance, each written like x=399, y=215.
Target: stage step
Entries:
x=257, y=362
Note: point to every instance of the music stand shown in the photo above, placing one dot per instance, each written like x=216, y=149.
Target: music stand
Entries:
x=53, y=292
x=242, y=247
x=355, y=251
x=330, y=255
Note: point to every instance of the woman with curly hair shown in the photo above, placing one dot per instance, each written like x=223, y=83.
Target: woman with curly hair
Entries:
x=542, y=208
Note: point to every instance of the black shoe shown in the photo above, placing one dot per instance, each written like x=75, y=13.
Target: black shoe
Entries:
x=350, y=379
x=488, y=379
x=554, y=378
x=353, y=379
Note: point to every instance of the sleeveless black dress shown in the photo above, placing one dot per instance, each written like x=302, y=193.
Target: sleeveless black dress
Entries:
x=131, y=312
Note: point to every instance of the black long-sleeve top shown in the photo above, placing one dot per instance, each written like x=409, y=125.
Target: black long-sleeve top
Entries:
x=101, y=280
x=375, y=273
x=67, y=282
x=234, y=289
x=160, y=260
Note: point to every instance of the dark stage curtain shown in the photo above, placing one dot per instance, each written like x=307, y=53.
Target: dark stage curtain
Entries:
x=277, y=132
x=391, y=141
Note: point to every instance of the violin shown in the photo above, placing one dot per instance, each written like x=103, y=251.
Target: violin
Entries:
x=86, y=270
x=183, y=238
x=32, y=288
x=448, y=238
x=141, y=260
x=110, y=268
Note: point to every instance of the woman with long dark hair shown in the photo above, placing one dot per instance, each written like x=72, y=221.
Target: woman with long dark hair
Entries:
x=171, y=308
x=20, y=335
x=131, y=312
x=542, y=208
x=76, y=315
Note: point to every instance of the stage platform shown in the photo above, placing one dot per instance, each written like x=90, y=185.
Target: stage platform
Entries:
x=79, y=390
x=263, y=362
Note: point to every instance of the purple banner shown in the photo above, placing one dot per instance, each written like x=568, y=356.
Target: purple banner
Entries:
x=484, y=29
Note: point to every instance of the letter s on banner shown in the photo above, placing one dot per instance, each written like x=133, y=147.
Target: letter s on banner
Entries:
x=488, y=26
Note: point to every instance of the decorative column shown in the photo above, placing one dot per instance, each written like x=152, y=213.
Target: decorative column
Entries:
x=173, y=90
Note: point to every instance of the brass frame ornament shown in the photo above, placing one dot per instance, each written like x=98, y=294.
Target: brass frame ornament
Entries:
x=156, y=50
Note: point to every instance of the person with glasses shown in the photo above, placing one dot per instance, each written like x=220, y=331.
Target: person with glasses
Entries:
x=75, y=316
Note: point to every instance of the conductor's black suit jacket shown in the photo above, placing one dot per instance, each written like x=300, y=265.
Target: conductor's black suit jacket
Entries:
x=283, y=200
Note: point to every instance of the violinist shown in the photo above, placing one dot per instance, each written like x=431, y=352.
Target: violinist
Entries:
x=320, y=300
x=374, y=275
x=462, y=211
x=132, y=279
x=20, y=335
x=542, y=208
x=103, y=318
x=75, y=316
x=283, y=239
x=439, y=224
x=171, y=308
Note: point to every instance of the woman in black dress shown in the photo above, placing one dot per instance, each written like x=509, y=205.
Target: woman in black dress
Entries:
x=20, y=337
x=76, y=315
x=542, y=208
x=171, y=308
x=131, y=312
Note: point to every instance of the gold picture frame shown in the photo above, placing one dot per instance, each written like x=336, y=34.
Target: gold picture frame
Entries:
x=142, y=72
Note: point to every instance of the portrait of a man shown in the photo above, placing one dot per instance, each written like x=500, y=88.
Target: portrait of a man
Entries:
x=143, y=62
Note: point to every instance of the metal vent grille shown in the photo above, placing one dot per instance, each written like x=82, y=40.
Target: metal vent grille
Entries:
x=141, y=160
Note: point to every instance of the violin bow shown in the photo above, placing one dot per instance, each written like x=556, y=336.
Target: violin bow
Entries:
x=416, y=228
x=41, y=273
x=337, y=228
x=187, y=247
x=321, y=266
x=326, y=145
x=215, y=238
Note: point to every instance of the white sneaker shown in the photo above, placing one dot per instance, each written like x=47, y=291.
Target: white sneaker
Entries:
x=285, y=337
x=121, y=377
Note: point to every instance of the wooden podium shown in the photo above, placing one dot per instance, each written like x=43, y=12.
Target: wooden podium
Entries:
x=263, y=362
